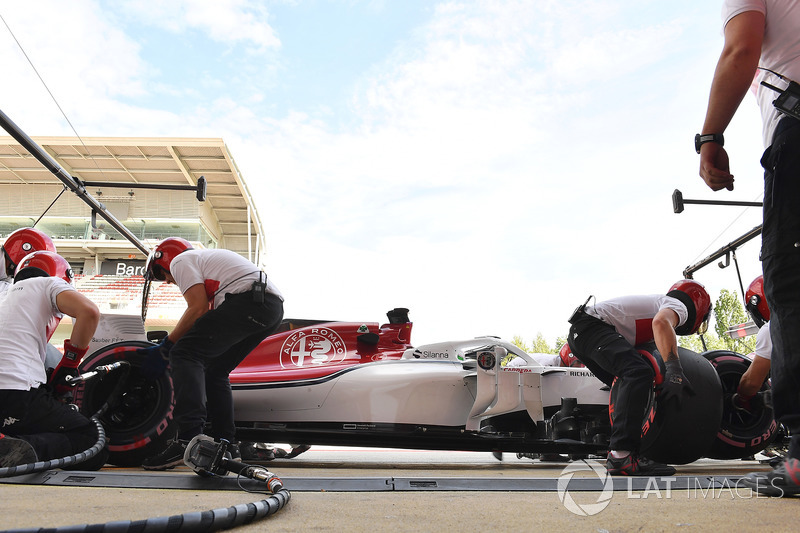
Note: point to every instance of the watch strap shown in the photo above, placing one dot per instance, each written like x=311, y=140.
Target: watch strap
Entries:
x=701, y=139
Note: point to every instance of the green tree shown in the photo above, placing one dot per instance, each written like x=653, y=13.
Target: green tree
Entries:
x=560, y=341
x=539, y=344
x=520, y=343
x=728, y=312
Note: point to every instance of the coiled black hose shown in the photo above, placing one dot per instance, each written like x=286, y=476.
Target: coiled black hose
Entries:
x=39, y=466
x=196, y=522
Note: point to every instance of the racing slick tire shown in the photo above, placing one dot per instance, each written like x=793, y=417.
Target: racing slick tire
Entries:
x=681, y=434
x=741, y=433
x=139, y=422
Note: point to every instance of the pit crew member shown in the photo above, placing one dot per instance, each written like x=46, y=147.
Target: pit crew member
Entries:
x=753, y=378
x=36, y=425
x=603, y=337
x=232, y=307
x=762, y=44
x=17, y=245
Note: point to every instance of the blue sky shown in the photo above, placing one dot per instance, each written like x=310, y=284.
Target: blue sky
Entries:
x=487, y=164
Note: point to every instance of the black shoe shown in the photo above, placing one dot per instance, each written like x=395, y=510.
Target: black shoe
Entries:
x=633, y=465
x=783, y=481
x=15, y=452
x=256, y=452
x=296, y=450
x=169, y=458
x=233, y=449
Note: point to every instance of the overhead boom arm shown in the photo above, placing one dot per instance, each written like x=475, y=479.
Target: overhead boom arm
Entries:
x=72, y=183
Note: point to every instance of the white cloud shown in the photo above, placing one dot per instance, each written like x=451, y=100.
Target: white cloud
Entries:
x=225, y=21
x=84, y=60
x=583, y=192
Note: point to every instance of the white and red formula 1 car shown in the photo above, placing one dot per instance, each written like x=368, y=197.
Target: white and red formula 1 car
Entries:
x=364, y=384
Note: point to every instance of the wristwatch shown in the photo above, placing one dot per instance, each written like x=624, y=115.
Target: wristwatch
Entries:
x=700, y=140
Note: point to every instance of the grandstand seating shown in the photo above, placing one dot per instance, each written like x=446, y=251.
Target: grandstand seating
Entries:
x=124, y=293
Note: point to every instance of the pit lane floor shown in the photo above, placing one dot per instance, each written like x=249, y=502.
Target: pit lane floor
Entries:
x=348, y=489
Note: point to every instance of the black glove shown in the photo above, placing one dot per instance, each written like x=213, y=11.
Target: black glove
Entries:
x=675, y=383
x=156, y=359
x=58, y=379
x=68, y=366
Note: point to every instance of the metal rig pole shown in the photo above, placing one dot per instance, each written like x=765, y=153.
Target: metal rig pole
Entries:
x=72, y=183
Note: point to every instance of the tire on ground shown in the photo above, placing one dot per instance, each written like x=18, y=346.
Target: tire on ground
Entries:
x=681, y=435
x=139, y=423
x=740, y=434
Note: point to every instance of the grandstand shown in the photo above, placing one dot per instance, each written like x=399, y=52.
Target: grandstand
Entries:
x=117, y=173
x=123, y=294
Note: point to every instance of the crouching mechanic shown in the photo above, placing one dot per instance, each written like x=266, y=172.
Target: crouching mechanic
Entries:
x=232, y=307
x=36, y=424
x=17, y=245
x=603, y=338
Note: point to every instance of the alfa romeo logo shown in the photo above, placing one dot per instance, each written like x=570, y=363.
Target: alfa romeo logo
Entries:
x=486, y=360
x=317, y=346
x=585, y=509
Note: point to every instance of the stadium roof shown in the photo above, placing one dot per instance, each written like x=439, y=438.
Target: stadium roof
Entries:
x=229, y=208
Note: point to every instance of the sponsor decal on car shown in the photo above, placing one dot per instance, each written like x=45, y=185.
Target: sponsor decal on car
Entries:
x=486, y=360
x=318, y=346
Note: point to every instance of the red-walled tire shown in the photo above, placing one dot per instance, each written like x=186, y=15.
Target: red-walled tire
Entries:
x=686, y=433
x=740, y=434
x=141, y=421
x=682, y=435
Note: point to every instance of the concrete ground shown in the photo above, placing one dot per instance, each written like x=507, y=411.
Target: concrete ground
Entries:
x=339, y=489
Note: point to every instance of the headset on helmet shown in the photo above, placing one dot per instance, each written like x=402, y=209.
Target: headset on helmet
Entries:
x=162, y=255
x=22, y=242
x=756, y=303
x=697, y=302
x=42, y=264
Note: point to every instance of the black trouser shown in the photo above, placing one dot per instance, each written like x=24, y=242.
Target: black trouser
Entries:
x=608, y=355
x=780, y=252
x=202, y=360
x=53, y=428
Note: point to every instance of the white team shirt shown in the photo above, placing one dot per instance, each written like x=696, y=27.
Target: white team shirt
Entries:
x=29, y=306
x=763, y=343
x=5, y=282
x=220, y=271
x=632, y=316
x=780, y=51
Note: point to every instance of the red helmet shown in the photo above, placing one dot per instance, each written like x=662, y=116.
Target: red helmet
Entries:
x=24, y=241
x=697, y=302
x=756, y=303
x=567, y=357
x=44, y=262
x=163, y=254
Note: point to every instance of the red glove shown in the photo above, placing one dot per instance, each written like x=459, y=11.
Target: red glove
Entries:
x=743, y=402
x=68, y=366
